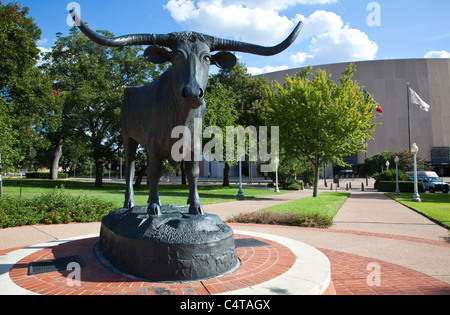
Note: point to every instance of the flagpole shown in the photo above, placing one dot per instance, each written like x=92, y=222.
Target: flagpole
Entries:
x=409, y=117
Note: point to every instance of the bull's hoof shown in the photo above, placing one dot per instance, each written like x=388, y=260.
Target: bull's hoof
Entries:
x=129, y=204
x=196, y=209
x=154, y=209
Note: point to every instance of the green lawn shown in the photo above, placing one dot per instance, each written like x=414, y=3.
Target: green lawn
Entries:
x=327, y=203
x=434, y=206
x=41, y=203
x=306, y=212
x=114, y=192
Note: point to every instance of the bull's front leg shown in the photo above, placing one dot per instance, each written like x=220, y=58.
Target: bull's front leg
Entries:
x=154, y=172
x=192, y=173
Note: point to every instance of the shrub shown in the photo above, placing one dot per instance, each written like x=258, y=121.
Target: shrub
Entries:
x=312, y=220
x=45, y=175
x=292, y=184
x=55, y=207
x=372, y=164
x=389, y=175
x=403, y=186
x=295, y=186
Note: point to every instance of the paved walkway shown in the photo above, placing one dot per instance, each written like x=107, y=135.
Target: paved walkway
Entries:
x=372, y=233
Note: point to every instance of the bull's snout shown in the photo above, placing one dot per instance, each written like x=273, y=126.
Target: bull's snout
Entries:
x=193, y=95
x=197, y=93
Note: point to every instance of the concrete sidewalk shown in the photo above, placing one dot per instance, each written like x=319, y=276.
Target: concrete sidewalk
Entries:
x=377, y=213
x=372, y=225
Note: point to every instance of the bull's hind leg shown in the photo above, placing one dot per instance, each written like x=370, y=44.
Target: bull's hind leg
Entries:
x=130, y=147
x=192, y=173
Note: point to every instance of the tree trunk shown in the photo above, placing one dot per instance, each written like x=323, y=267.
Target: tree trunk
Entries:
x=139, y=176
x=55, y=162
x=226, y=175
x=99, y=173
x=316, y=176
x=183, y=174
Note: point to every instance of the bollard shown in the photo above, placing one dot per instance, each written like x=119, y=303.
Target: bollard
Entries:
x=331, y=186
x=350, y=185
x=362, y=186
x=346, y=187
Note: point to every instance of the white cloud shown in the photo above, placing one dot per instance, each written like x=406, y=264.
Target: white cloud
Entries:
x=346, y=44
x=437, y=54
x=253, y=24
x=332, y=41
x=181, y=10
x=266, y=69
x=276, y=5
x=42, y=54
x=300, y=58
x=325, y=37
x=42, y=41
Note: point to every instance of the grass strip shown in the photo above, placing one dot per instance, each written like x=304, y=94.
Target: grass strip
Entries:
x=306, y=212
x=436, y=207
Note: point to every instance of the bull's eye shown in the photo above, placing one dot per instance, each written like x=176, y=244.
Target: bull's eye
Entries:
x=207, y=59
x=177, y=56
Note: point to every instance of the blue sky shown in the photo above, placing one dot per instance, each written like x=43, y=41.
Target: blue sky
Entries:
x=334, y=30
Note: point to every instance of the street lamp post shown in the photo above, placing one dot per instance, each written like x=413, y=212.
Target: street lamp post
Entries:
x=396, y=160
x=277, y=160
x=414, y=150
x=387, y=165
x=240, y=192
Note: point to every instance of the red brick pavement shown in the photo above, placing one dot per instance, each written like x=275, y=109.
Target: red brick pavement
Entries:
x=356, y=275
x=350, y=273
x=258, y=265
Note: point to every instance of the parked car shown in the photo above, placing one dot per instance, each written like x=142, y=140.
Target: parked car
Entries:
x=431, y=181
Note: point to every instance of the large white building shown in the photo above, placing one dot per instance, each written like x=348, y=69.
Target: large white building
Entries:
x=387, y=81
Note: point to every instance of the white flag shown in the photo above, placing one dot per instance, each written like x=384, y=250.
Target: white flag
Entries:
x=415, y=99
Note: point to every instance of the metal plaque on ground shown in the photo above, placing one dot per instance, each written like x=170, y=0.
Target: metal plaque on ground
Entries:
x=50, y=265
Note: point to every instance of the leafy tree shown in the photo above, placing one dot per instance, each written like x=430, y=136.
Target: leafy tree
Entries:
x=25, y=93
x=390, y=175
x=292, y=170
x=18, y=36
x=319, y=119
x=375, y=163
x=220, y=112
x=236, y=99
x=89, y=80
x=250, y=93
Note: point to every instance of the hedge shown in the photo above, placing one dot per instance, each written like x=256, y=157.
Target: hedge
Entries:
x=403, y=186
x=295, y=186
x=54, y=207
x=45, y=175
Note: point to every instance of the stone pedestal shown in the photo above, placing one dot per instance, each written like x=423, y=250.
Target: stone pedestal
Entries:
x=174, y=246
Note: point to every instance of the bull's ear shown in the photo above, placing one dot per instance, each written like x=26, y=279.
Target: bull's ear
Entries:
x=224, y=60
x=157, y=55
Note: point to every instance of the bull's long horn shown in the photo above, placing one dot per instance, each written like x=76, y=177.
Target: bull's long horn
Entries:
x=128, y=40
x=231, y=45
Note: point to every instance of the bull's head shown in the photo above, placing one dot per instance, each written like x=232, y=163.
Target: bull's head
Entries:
x=190, y=55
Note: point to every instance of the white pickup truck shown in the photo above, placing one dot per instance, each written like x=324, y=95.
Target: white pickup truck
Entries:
x=431, y=181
